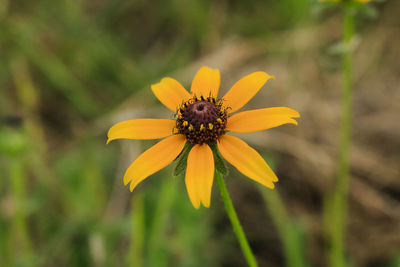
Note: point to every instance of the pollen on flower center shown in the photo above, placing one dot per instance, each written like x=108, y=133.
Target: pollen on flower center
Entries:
x=201, y=120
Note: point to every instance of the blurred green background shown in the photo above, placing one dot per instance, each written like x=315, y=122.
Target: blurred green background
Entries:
x=69, y=70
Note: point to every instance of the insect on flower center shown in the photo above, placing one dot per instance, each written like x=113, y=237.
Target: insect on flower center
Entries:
x=201, y=120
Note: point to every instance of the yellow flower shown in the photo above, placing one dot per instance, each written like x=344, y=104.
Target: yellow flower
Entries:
x=202, y=119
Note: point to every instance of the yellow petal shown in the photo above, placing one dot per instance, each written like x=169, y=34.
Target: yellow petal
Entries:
x=154, y=159
x=200, y=175
x=246, y=160
x=206, y=82
x=170, y=92
x=141, y=129
x=244, y=90
x=261, y=119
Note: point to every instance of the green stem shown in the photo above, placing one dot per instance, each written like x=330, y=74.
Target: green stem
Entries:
x=237, y=228
x=137, y=232
x=21, y=240
x=339, y=201
x=157, y=229
x=290, y=238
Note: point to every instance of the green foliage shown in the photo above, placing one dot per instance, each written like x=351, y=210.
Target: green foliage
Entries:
x=182, y=160
x=219, y=162
x=13, y=141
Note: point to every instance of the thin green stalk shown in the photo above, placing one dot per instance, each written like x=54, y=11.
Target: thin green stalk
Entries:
x=290, y=238
x=21, y=240
x=237, y=228
x=137, y=232
x=28, y=98
x=339, y=201
x=157, y=236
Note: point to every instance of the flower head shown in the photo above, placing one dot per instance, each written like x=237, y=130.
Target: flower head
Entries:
x=203, y=120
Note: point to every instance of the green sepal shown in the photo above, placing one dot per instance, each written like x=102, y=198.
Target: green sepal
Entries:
x=218, y=161
x=182, y=159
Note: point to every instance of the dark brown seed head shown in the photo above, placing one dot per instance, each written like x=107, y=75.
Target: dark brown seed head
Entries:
x=201, y=120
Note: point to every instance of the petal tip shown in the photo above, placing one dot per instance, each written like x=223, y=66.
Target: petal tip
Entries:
x=206, y=204
x=166, y=79
x=269, y=184
x=132, y=186
x=265, y=75
x=154, y=85
x=209, y=68
x=296, y=114
x=126, y=181
x=272, y=186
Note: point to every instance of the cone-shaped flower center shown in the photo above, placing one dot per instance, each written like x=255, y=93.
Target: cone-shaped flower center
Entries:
x=201, y=120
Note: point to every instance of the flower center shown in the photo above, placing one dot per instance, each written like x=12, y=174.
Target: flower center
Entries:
x=201, y=120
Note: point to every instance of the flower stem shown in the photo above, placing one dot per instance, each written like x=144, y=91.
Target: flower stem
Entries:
x=339, y=200
x=237, y=228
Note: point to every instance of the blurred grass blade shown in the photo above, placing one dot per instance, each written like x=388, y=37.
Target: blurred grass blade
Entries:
x=23, y=35
x=157, y=233
x=136, y=250
x=290, y=236
x=336, y=202
x=21, y=242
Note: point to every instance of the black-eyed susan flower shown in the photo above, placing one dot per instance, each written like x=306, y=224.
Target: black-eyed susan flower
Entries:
x=203, y=120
